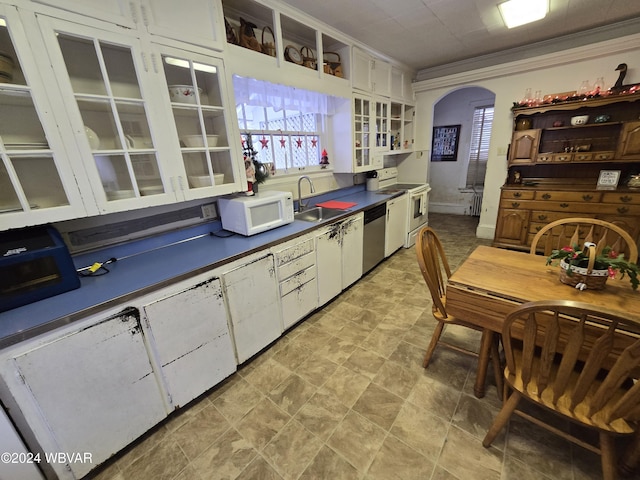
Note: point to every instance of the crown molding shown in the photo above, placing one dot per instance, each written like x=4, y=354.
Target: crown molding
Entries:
x=588, y=52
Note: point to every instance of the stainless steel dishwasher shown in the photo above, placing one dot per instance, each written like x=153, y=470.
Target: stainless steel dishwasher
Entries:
x=375, y=220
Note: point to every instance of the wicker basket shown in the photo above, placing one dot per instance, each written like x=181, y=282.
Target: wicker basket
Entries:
x=333, y=66
x=584, y=278
x=268, y=47
x=308, y=58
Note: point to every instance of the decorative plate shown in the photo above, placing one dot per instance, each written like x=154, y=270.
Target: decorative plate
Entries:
x=292, y=54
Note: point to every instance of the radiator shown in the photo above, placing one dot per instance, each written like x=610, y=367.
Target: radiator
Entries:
x=476, y=205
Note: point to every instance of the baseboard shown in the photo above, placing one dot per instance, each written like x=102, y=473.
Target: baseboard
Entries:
x=451, y=208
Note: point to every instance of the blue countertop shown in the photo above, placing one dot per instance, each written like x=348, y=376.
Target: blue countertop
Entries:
x=147, y=264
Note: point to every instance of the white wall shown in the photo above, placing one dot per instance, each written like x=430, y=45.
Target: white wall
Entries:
x=558, y=72
x=449, y=178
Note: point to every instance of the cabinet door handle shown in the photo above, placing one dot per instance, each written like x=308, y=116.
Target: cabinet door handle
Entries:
x=622, y=209
x=515, y=204
x=542, y=217
x=626, y=199
x=517, y=194
x=587, y=198
x=546, y=196
x=564, y=205
x=538, y=228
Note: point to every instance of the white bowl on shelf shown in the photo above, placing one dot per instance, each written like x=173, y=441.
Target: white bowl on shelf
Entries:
x=120, y=194
x=579, y=120
x=183, y=93
x=152, y=190
x=195, y=141
x=198, y=181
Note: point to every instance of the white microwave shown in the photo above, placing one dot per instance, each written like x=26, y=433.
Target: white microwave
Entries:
x=258, y=213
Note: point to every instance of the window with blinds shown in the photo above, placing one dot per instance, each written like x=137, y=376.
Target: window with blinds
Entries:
x=479, y=148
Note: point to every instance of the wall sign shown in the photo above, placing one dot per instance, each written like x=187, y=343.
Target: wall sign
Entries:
x=444, y=147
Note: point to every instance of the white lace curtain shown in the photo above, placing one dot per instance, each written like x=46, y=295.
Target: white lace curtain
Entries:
x=258, y=93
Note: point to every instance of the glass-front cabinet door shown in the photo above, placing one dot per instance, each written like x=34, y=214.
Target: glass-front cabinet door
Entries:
x=37, y=184
x=362, y=115
x=109, y=82
x=197, y=97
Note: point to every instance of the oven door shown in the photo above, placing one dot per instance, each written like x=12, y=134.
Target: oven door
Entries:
x=418, y=205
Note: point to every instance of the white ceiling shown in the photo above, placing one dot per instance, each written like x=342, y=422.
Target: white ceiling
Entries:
x=434, y=33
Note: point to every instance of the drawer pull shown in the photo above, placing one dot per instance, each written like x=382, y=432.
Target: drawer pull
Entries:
x=538, y=228
x=622, y=209
x=546, y=196
x=626, y=199
x=517, y=194
x=515, y=204
x=564, y=205
x=587, y=198
x=542, y=217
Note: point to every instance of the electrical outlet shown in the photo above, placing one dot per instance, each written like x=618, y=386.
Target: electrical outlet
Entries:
x=209, y=211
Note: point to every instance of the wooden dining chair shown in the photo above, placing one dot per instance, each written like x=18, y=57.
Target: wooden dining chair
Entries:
x=575, y=231
x=578, y=361
x=436, y=271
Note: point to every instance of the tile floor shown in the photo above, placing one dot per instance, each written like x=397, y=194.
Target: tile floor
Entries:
x=343, y=396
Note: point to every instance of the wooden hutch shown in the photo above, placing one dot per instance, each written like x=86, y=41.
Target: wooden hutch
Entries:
x=553, y=166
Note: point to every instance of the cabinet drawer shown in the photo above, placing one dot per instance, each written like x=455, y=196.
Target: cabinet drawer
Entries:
x=301, y=263
x=623, y=198
x=518, y=194
x=542, y=217
x=582, y=157
x=297, y=280
x=299, y=302
x=600, y=156
x=295, y=251
x=619, y=209
x=556, y=196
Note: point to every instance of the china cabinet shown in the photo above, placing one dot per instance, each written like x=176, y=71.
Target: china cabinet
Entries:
x=554, y=166
x=37, y=183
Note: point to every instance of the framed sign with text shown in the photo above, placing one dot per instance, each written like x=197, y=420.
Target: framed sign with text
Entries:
x=608, y=179
x=444, y=147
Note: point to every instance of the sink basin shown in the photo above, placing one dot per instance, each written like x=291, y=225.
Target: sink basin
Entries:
x=318, y=214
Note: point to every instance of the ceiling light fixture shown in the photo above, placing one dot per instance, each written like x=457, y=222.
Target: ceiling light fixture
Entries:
x=520, y=12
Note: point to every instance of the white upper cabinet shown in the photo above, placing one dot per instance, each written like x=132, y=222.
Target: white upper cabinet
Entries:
x=120, y=93
x=107, y=86
x=370, y=74
x=190, y=21
x=195, y=88
x=37, y=184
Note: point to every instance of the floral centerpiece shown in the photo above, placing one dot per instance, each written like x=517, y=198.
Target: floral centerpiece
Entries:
x=575, y=262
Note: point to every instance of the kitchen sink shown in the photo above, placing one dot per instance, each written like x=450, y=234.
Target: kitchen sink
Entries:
x=318, y=214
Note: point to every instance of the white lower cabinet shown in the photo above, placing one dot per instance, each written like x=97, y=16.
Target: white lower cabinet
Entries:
x=251, y=291
x=396, y=227
x=339, y=256
x=189, y=337
x=296, y=270
x=90, y=389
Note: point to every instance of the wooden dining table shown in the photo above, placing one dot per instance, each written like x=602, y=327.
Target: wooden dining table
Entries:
x=492, y=281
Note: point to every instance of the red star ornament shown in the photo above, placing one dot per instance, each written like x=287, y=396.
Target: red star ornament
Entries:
x=282, y=142
x=264, y=142
x=299, y=143
x=314, y=141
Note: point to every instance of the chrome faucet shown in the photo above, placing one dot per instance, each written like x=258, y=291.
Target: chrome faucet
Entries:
x=301, y=205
